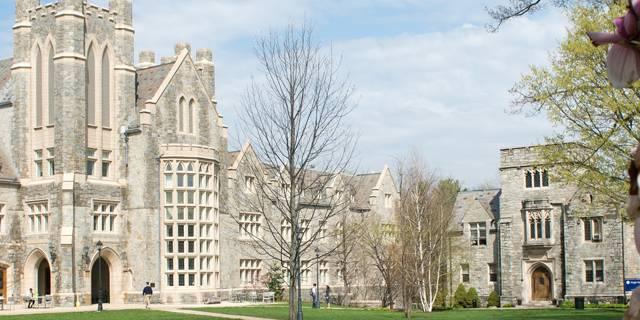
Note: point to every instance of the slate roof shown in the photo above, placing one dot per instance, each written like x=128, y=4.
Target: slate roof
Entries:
x=363, y=184
x=149, y=81
x=6, y=85
x=489, y=200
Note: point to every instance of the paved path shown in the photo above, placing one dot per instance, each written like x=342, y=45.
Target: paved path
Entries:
x=175, y=308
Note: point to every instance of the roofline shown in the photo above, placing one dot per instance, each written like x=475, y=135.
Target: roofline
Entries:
x=480, y=190
x=535, y=146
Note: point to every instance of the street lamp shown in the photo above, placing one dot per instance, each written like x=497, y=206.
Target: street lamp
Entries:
x=299, y=240
x=99, y=246
x=317, y=302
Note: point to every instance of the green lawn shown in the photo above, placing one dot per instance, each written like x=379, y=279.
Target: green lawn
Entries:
x=110, y=315
x=280, y=312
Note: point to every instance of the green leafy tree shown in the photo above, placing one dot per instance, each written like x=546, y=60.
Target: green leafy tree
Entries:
x=460, y=297
x=275, y=281
x=598, y=124
x=493, y=300
x=472, y=301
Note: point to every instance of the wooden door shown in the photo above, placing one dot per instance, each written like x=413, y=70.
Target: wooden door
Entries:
x=541, y=285
x=3, y=283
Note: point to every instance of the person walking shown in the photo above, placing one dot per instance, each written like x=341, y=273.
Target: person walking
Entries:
x=147, y=292
x=314, y=296
x=327, y=296
x=32, y=300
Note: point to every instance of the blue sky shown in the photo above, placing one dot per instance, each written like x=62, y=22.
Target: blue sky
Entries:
x=428, y=76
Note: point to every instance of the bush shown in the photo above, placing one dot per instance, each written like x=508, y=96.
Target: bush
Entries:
x=460, y=297
x=567, y=304
x=508, y=305
x=473, y=301
x=493, y=300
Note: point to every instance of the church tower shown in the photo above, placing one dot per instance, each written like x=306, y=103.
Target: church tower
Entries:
x=70, y=59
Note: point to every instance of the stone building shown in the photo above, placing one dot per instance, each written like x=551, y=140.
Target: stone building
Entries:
x=539, y=241
x=94, y=148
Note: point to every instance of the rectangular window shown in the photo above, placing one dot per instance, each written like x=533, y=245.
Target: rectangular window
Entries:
x=536, y=178
x=104, y=217
x=91, y=162
x=478, y=233
x=51, y=165
x=250, y=225
x=169, y=246
x=170, y=264
x=170, y=280
x=181, y=280
x=493, y=273
x=464, y=271
x=38, y=163
x=38, y=217
x=106, y=163
x=594, y=270
x=592, y=229
x=250, y=271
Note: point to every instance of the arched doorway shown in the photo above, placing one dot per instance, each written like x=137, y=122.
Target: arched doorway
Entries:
x=100, y=279
x=541, y=284
x=43, y=278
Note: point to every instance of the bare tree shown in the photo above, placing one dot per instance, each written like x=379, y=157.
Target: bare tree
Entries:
x=517, y=8
x=348, y=236
x=379, y=242
x=294, y=117
x=425, y=217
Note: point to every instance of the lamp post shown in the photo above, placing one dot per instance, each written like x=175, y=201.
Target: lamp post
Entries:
x=299, y=240
x=99, y=246
x=316, y=304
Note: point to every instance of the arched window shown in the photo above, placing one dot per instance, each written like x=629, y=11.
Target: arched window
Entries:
x=38, y=94
x=192, y=107
x=106, y=90
x=91, y=87
x=51, y=86
x=180, y=115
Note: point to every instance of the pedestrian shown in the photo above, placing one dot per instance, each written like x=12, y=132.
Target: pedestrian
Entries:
x=314, y=296
x=31, y=299
x=327, y=296
x=147, y=292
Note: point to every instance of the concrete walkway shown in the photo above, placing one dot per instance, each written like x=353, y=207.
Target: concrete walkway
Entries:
x=174, y=308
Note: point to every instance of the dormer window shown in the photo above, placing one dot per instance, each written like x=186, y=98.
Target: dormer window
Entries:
x=478, y=233
x=536, y=179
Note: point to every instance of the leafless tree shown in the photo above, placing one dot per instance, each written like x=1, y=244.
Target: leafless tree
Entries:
x=295, y=119
x=379, y=242
x=348, y=236
x=424, y=221
x=517, y=8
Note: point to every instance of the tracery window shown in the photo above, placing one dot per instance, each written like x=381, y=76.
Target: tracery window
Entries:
x=539, y=222
x=38, y=72
x=190, y=207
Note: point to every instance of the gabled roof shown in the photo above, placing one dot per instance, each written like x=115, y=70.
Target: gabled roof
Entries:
x=149, y=81
x=480, y=203
x=363, y=184
x=6, y=84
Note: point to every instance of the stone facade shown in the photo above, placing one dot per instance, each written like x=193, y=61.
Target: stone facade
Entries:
x=95, y=149
x=547, y=241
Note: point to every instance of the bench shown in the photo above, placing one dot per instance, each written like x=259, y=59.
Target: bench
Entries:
x=268, y=296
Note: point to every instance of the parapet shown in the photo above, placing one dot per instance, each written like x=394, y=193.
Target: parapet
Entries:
x=181, y=46
x=204, y=55
x=147, y=59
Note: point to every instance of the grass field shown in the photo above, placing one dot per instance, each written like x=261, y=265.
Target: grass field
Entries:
x=280, y=312
x=110, y=315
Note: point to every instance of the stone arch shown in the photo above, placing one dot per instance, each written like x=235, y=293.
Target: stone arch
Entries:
x=114, y=265
x=37, y=273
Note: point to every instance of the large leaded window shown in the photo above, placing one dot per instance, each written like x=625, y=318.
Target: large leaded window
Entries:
x=536, y=179
x=190, y=206
x=38, y=217
x=539, y=224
